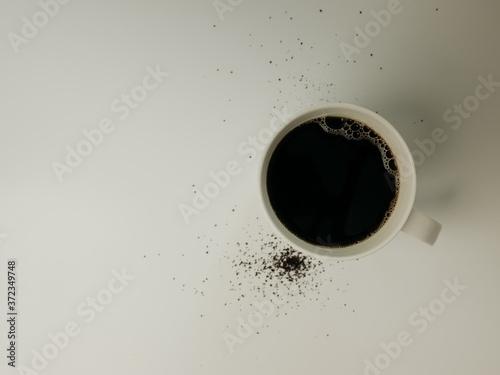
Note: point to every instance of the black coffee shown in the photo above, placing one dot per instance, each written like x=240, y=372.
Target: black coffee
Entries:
x=332, y=181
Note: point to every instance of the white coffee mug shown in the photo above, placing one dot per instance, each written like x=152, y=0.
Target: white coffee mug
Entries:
x=403, y=218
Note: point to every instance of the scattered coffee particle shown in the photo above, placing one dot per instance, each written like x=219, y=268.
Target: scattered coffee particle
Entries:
x=265, y=267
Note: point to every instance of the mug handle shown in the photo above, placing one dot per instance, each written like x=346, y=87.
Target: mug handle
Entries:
x=422, y=227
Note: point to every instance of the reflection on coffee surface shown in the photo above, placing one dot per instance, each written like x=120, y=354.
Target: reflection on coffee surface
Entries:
x=332, y=181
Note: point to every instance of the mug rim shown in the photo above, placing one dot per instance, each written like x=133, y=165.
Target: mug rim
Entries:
x=406, y=194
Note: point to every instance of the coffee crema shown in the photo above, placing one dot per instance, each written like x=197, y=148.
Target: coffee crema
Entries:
x=332, y=181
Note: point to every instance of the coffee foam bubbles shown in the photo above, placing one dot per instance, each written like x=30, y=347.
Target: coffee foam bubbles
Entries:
x=356, y=131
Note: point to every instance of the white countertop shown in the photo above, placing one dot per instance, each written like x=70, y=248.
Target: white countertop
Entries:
x=171, y=91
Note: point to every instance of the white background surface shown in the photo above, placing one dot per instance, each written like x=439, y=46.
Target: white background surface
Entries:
x=120, y=207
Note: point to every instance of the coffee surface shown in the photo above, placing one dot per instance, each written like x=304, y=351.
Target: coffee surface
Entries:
x=332, y=181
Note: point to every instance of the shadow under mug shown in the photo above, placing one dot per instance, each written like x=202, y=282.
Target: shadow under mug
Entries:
x=403, y=218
